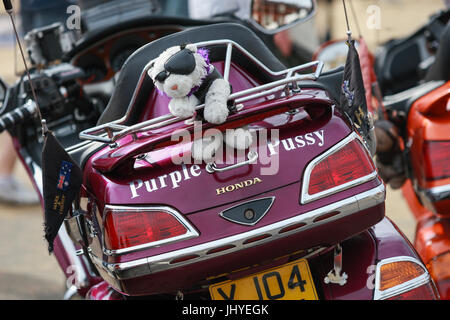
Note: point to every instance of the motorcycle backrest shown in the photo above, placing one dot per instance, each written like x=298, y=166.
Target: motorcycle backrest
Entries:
x=440, y=70
x=401, y=64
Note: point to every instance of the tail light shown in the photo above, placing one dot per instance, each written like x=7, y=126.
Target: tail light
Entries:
x=425, y=292
x=403, y=278
x=440, y=272
x=345, y=165
x=435, y=166
x=435, y=157
x=135, y=228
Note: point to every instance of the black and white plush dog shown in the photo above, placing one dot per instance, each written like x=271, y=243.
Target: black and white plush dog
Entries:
x=185, y=74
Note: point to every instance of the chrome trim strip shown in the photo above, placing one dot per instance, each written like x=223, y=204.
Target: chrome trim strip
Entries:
x=190, y=231
x=162, y=262
x=439, y=189
x=437, y=193
x=401, y=288
x=240, y=204
x=306, y=197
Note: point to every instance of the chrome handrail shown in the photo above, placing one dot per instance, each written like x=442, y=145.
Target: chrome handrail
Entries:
x=252, y=156
x=112, y=131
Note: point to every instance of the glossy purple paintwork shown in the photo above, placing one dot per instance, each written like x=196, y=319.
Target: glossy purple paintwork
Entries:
x=360, y=255
x=334, y=131
x=197, y=198
x=115, y=176
x=102, y=291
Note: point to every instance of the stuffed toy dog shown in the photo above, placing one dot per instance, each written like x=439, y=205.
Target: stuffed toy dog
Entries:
x=185, y=74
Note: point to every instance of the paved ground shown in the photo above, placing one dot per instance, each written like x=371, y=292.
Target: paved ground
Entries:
x=26, y=269
x=28, y=272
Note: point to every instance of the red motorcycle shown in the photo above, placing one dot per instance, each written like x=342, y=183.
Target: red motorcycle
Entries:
x=300, y=215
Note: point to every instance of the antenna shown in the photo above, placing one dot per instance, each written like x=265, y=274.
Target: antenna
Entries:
x=349, y=32
x=355, y=18
x=9, y=9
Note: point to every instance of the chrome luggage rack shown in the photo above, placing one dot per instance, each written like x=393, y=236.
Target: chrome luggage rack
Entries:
x=112, y=131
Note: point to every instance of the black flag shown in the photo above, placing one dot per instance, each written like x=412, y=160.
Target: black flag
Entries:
x=353, y=96
x=62, y=179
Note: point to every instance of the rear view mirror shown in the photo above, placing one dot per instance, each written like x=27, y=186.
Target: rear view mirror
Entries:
x=273, y=16
x=333, y=54
x=3, y=90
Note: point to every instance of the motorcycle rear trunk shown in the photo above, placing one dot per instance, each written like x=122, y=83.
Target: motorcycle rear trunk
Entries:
x=221, y=222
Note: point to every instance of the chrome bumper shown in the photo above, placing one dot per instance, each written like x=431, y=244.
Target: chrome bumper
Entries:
x=311, y=219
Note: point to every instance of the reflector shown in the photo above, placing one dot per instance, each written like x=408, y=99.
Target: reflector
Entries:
x=439, y=267
x=403, y=278
x=396, y=273
x=425, y=292
x=126, y=229
x=435, y=157
x=347, y=164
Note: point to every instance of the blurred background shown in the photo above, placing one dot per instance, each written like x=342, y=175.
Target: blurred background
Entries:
x=27, y=271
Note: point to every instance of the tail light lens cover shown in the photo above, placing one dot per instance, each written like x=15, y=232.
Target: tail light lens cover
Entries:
x=437, y=199
x=135, y=228
x=343, y=166
x=435, y=160
x=403, y=277
x=439, y=267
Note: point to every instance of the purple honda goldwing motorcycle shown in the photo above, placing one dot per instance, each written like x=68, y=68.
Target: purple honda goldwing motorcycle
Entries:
x=299, y=215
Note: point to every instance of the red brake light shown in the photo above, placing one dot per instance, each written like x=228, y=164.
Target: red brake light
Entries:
x=347, y=164
x=137, y=227
x=436, y=163
x=425, y=292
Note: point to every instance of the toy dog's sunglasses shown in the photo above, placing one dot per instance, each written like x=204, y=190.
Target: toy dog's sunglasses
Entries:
x=182, y=62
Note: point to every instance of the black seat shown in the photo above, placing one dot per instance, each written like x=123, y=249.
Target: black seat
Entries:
x=132, y=69
x=438, y=73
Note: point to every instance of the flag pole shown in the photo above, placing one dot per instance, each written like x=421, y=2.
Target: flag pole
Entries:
x=349, y=32
x=355, y=18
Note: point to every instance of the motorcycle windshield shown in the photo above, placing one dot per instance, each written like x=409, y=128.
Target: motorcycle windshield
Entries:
x=99, y=14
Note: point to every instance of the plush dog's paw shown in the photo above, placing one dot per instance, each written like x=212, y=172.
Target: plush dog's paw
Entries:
x=216, y=113
x=183, y=108
x=240, y=138
x=205, y=149
x=216, y=109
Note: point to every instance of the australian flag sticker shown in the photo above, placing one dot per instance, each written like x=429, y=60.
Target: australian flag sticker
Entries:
x=64, y=175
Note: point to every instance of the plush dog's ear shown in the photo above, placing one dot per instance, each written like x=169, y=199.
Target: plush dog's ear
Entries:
x=191, y=47
x=149, y=71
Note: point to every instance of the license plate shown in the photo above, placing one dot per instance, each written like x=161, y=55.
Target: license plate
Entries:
x=291, y=281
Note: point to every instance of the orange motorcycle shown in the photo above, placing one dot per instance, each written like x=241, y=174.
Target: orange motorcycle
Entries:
x=414, y=77
x=409, y=96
